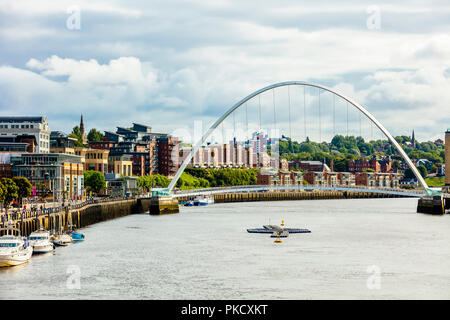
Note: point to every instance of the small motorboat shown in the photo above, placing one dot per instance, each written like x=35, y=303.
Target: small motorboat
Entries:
x=75, y=236
x=61, y=239
x=189, y=203
x=40, y=241
x=14, y=250
x=203, y=200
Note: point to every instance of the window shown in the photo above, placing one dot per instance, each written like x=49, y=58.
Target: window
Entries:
x=9, y=245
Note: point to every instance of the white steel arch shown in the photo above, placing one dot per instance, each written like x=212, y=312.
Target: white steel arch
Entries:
x=298, y=83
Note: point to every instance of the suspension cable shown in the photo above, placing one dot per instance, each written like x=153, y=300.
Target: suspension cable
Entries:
x=304, y=109
x=260, y=126
x=334, y=115
x=320, y=119
x=347, y=118
x=234, y=128
x=360, y=129
x=274, y=111
x=246, y=123
x=371, y=131
x=289, y=99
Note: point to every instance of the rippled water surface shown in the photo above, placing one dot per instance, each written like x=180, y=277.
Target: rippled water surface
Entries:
x=206, y=253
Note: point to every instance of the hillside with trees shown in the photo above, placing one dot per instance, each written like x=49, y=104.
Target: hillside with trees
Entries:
x=341, y=149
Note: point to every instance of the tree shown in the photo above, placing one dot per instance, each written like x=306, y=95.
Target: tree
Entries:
x=434, y=168
x=43, y=190
x=144, y=182
x=409, y=174
x=423, y=170
x=76, y=133
x=160, y=181
x=94, y=180
x=341, y=165
x=2, y=192
x=11, y=191
x=25, y=187
x=395, y=164
x=95, y=135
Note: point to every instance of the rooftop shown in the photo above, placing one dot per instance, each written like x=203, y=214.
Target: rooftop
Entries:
x=22, y=119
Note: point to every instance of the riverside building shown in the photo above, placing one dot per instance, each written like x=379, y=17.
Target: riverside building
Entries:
x=15, y=126
x=65, y=173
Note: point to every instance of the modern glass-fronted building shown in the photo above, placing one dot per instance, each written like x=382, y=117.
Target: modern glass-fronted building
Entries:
x=64, y=171
x=37, y=126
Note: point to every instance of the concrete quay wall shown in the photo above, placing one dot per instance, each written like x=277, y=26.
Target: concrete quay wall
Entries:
x=83, y=216
x=291, y=195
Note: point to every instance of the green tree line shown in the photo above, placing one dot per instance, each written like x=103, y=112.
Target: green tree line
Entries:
x=13, y=189
x=225, y=177
x=341, y=149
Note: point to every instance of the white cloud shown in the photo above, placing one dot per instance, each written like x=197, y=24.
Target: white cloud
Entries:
x=168, y=61
x=46, y=7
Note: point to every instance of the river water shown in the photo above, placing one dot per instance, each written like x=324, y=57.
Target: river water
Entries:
x=358, y=249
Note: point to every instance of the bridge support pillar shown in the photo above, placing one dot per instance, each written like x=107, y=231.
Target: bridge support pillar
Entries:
x=446, y=203
x=164, y=205
x=431, y=205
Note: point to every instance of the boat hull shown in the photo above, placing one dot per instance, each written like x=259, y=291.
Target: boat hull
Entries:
x=61, y=240
x=61, y=243
x=43, y=248
x=76, y=237
x=15, y=259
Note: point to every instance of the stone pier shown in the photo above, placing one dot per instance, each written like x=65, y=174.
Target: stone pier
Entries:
x=432, y=205
x=164, y=205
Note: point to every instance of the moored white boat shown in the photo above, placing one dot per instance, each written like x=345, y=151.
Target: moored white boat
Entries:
x=40, y=241
x=61, y=239
x=203, y=200
x=14, y=250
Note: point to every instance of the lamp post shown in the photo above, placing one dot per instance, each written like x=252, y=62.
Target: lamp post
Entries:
x=47, y=178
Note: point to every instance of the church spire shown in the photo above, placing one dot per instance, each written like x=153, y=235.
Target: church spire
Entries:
x=82, y=125
x=413, y=140
x=83, y=135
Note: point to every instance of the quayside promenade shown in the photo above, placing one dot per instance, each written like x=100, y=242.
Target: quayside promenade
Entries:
x=78, y=215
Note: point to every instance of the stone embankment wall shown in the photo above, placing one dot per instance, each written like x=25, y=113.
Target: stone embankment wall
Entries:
x=290, y=195
x=82, y=217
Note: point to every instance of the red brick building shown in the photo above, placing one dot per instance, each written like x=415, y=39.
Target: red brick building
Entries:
x=104, y=145
x=168, y=155
x=5, y=170
x=288, y=178
x=383, y=165
x=308, y=165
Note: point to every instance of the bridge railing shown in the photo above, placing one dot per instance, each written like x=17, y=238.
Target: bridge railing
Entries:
x=39, y=211
x=249, y=188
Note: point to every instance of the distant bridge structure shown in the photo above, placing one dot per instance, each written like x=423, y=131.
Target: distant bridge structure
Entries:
x=350, y=101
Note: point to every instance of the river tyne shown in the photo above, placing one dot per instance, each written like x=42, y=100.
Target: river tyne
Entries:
x=358, y=249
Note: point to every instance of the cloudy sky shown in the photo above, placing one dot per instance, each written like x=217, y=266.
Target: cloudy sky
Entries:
x=170, y=63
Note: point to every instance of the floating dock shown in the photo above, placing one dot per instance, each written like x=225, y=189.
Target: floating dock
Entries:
x=284, y=234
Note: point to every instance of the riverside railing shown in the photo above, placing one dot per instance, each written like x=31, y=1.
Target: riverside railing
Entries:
x=22, y=214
